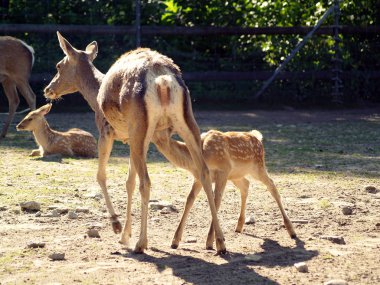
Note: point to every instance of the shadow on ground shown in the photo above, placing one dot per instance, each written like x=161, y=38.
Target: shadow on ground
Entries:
x=236, y=270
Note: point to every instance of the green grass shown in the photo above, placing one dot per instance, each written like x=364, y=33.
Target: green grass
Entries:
x=303, y=151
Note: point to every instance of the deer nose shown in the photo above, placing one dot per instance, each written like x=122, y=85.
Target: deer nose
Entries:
x=49, y=93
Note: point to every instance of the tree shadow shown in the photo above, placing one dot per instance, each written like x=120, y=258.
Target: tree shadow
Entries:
x=237, y=269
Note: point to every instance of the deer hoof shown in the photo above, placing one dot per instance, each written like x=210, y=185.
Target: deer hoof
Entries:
x=116, y=226
x=221, y=251
x=174, y=246
x=293, y=236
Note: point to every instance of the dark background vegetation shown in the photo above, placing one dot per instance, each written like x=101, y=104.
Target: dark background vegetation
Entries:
x=219, y=52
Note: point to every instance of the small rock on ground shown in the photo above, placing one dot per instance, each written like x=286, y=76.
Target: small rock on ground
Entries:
x=30, y=206
x=301, y=267
x=250, y=220
x=347, y=210
x=167, y=210
x=72, y=215
x=57, y=256
x=336, y=282
x=82, y=210
x=334, y=239
x=3, y=208
x=191, y=240
x=371, y=189
x=93, y=233
x=36, y=245
x=159, y=205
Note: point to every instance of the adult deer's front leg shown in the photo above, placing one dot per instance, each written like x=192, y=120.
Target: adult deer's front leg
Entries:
x=220, y=185
x=130, y=185
x=105, y=144
x=196, y=188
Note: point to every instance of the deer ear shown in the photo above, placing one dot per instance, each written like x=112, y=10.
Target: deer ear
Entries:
x=92, y=50
x=67, y=48
x=45, y=109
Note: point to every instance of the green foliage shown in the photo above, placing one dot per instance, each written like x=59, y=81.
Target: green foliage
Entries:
x=217, y=53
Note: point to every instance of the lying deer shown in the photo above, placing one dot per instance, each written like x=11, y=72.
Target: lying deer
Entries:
x=74, y=142
x=229, y=156
x=143, y=92
x=16, y=61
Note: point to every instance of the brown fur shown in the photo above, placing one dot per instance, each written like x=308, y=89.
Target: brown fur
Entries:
x=16, y=61
x=229, y=156
x=129, y=109
x=74, y=142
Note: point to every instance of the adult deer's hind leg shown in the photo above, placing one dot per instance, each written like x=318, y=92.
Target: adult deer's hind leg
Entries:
x=220, y=185
x=105, y=144
x=13, y=102
x=243, y=185
x=130, y=185
x=189, y=132
x=139, y=148
x=265, y=179
x=196, y=188
x=27, y=92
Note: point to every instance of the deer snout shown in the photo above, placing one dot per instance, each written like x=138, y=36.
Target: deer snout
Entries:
x=20, y=127
x=49, y=93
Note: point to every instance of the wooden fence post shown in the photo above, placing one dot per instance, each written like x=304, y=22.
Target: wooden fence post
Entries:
x=138, y=23
x=337, y=59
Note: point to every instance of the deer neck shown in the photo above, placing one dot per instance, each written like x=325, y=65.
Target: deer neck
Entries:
x=176, y=152
x=89, y=80
x=43, y=134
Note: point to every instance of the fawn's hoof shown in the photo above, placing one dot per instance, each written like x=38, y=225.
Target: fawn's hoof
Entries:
x=174, y=246
x=293, y=236
x=117, y=227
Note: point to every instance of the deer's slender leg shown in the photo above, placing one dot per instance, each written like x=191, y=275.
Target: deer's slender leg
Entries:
x=220, y=185
x=105, y=144
x=189, y=131
x=13, y=102
x=139, y=148
x=267, y=181
x=243, y=185
x=27, y=92
x=130, y=185
x=196, y=188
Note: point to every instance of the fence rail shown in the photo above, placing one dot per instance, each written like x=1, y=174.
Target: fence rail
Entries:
x=256, y=75
x=174, y=30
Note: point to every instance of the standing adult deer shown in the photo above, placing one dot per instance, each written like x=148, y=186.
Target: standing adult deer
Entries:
x=143, y=92
x=16, y=61
x=229, y=156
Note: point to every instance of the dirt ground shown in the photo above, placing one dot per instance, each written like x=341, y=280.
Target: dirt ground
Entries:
x=321, y=162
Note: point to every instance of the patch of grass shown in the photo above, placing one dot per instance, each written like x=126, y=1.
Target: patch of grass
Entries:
x=324, y=204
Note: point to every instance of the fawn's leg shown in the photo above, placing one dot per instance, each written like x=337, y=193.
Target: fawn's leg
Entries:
x=189, y=132
x=243, y=185
x=265, y=179
x=196, y=188
x=220, y=185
